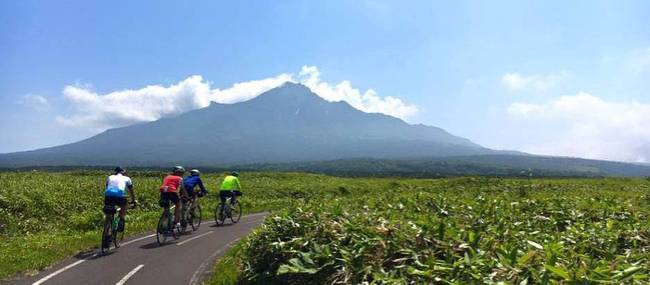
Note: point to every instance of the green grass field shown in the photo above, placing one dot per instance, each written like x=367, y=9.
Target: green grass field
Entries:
x=326, y=230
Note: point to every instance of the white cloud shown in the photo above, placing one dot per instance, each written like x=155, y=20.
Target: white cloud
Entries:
x=592, y=127
x=367, y=101
x=515, y=82
x=120, y=108
x=35, y=102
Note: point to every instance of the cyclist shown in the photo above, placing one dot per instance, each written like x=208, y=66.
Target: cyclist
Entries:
x=171, y=188
x=190, y=182
x=115, y=195
x=229, y=187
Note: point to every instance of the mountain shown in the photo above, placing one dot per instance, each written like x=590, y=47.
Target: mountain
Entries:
x=286, y=124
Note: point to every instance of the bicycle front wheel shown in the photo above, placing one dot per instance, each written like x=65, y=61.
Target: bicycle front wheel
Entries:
x=195, y=217
x=235, y=213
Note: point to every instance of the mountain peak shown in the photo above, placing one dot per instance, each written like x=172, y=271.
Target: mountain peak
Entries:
x=289, y=91
x=294, y=87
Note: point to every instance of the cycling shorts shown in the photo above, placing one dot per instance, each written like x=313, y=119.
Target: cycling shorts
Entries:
x=114, y=201
x=170, y=196
x=110, y=203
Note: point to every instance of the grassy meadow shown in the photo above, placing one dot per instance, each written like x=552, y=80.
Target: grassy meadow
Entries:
x=331, y=230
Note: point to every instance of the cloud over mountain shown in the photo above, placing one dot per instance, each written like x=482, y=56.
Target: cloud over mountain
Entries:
x=119, y=108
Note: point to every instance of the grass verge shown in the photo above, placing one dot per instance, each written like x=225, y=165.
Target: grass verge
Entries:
x=227, y=270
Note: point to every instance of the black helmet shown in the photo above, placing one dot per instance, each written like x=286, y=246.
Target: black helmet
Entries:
x=178, y=169
x=234, y=173
x=119, y=170
x=195, y=172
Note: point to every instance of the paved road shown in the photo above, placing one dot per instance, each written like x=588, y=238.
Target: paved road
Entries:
x=140, y=260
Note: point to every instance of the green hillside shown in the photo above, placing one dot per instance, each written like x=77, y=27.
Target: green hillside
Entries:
x=481, y=165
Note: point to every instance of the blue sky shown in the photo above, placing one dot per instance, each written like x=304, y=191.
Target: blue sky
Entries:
x=549, y=77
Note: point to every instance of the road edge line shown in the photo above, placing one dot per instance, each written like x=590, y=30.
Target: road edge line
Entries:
x=55, y=273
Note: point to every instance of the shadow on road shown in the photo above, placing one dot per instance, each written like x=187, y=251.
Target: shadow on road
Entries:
x=219, y=226
x=155, y=244
x=87, y=254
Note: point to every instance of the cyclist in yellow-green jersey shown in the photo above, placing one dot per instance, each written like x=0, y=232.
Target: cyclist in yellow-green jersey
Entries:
x=230, y=187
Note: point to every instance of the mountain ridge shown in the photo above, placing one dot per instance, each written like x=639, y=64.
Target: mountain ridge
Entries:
x=284, y=124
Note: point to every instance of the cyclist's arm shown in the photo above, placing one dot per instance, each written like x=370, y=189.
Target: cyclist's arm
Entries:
x=238, y=184
x=201, y=186
x=129, y=186
x=181, y=190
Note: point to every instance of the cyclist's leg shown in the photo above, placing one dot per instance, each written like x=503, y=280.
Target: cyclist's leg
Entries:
x=109, y=207
x=223, y=195
x=122, y=204
x=193, y=201
x=233, y=200
x=177, y=211
x=165, y=202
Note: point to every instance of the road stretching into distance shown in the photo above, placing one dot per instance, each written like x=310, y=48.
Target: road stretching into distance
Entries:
x=140, y=260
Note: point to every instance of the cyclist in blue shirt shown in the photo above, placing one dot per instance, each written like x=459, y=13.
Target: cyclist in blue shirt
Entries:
x=190, y=182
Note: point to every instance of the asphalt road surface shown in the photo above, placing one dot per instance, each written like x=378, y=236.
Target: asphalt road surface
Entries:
x=140, y=260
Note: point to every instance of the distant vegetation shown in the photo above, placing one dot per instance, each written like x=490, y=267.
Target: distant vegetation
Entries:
x=501, y=165
x=475, y=165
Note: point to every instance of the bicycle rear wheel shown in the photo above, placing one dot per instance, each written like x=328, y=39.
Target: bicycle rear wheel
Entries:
x=235, y=212
x=195, y=217
x=219, y=215
x=106, y=244
x=117, y=235
x=162, y=229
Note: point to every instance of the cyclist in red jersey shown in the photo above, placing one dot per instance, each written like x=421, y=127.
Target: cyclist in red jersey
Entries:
x=172, y=188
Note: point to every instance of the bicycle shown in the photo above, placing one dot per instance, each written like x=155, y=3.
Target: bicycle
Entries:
x=111, y=224
x=190, y=214
x=228, y=210
x=166, y=225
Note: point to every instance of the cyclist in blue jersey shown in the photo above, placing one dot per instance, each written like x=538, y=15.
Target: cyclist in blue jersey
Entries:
x=115, y=193
x=190, y=182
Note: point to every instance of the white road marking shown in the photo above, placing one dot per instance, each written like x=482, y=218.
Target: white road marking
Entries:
x=195, y=277
x=128, y=275
x=138, y=239
x=189, y=240
x=55, y=273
